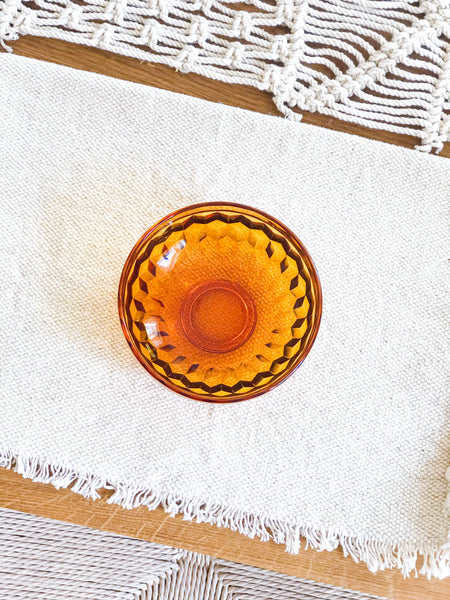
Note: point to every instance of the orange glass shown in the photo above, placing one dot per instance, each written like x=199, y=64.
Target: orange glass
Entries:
x=220, y=302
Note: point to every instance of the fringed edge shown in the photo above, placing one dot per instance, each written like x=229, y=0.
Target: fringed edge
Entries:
x=377, y=555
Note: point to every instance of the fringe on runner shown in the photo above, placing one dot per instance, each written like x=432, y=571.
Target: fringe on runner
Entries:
x=420, y=558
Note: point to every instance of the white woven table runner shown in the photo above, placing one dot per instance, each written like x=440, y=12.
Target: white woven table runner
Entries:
x=353, y=448
x=383, y=64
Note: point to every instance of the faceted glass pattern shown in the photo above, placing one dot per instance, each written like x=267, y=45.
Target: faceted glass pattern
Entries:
x=220, y=302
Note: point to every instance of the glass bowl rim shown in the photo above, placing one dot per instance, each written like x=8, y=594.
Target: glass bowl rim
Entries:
x=286, y=232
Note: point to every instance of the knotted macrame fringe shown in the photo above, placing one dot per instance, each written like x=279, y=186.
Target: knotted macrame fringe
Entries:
x=377, y=555
x=383, y=65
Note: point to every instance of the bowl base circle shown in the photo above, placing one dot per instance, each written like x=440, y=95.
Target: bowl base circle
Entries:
x=218, y=315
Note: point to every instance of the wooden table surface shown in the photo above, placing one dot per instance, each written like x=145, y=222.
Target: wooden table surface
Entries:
x=20, y=494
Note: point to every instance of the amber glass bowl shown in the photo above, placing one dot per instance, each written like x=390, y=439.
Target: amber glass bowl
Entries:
x=219, y=302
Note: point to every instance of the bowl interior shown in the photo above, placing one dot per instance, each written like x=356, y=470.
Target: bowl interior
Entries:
x=220, y=302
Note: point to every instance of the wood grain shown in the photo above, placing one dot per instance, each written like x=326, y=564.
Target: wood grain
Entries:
x=23, y=495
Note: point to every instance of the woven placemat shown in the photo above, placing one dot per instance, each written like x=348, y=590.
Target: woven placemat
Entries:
x=44, y=559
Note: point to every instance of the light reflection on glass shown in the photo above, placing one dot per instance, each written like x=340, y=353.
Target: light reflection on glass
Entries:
x=169, y=258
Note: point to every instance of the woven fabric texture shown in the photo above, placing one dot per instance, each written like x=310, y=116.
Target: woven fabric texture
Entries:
x=384, y=65
x=353, y=448
x=45, y=559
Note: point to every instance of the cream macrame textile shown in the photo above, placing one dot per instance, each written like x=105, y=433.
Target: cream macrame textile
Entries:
x=383, y=64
